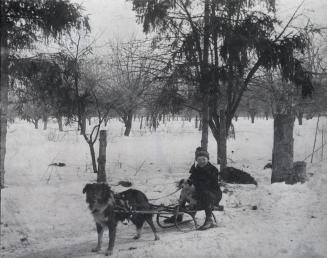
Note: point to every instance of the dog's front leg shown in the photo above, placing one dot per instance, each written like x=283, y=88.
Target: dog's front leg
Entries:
x=112, y=237
x=100, y=236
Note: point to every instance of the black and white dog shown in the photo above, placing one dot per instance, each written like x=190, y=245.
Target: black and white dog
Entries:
x=103, y=203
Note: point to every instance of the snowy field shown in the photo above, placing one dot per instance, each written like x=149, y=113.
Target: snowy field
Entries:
x=45, y=214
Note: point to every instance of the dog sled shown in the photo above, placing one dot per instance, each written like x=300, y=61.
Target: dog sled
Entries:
x=162, y=212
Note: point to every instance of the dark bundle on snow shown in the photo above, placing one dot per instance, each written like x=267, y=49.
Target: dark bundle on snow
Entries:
x=125, y=183
x=58, y=164
x=236, y=176
x=268, y=165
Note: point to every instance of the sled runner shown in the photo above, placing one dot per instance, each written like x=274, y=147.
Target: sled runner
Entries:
x=163, y=212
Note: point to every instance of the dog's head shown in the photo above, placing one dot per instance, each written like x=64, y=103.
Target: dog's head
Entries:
x=187, y=193
x=184, y=183
x=98, y=196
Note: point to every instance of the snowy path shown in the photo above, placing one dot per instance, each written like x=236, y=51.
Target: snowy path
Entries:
x=45, y=215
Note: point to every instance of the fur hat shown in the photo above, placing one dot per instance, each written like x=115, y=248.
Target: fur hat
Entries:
x=201, y=152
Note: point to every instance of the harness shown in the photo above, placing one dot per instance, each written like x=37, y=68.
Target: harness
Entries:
x=122, y=206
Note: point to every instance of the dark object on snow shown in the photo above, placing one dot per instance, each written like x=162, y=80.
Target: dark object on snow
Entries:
x=58, y=164
x=268, y=165
x=103, y=203
x=254, y=207
x=125, y=183
x=236, y=176
x=24, y=240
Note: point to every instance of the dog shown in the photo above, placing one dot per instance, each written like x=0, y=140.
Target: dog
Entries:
x=236, y=176
x=187, y=194
x=104, y=203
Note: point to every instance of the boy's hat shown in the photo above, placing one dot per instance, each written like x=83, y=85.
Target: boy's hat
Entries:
x=201, y=152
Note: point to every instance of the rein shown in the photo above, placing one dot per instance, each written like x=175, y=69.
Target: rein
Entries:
x=154, y=199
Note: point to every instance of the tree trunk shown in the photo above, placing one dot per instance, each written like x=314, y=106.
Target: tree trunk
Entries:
x=300, y=118
x=147, y=121
x=141, y=123
x=102, y=157
x=45, y=122
x=3, y=92
x=205, y=122
x=128, y=123
x=154, y=122
x=267, y=115
x=59, y=120
x=94, y=163
x=282, y=157
x=36, y=123
x=106, y=121
x=236, y=117
x=196, y=122
x=83, y=124
x=252, y=114
x=89, y=119
x=222, y=148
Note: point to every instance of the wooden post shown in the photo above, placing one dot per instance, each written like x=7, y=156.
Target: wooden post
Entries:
x=102, y=157
x=222, y=148
x=299, y=173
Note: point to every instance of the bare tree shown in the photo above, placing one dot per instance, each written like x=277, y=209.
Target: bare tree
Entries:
x=132, y=74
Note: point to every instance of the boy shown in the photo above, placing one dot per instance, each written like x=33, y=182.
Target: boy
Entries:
x=204, y=177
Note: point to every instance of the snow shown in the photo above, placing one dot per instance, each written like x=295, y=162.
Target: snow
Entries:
x=45, y=214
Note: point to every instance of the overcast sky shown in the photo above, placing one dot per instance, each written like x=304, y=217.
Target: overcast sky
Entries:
x=114, y=19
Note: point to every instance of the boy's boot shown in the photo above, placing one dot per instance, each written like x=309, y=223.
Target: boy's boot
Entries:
x=207, y=224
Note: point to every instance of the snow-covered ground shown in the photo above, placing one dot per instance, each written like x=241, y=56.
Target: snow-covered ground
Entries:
x=45, y=214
